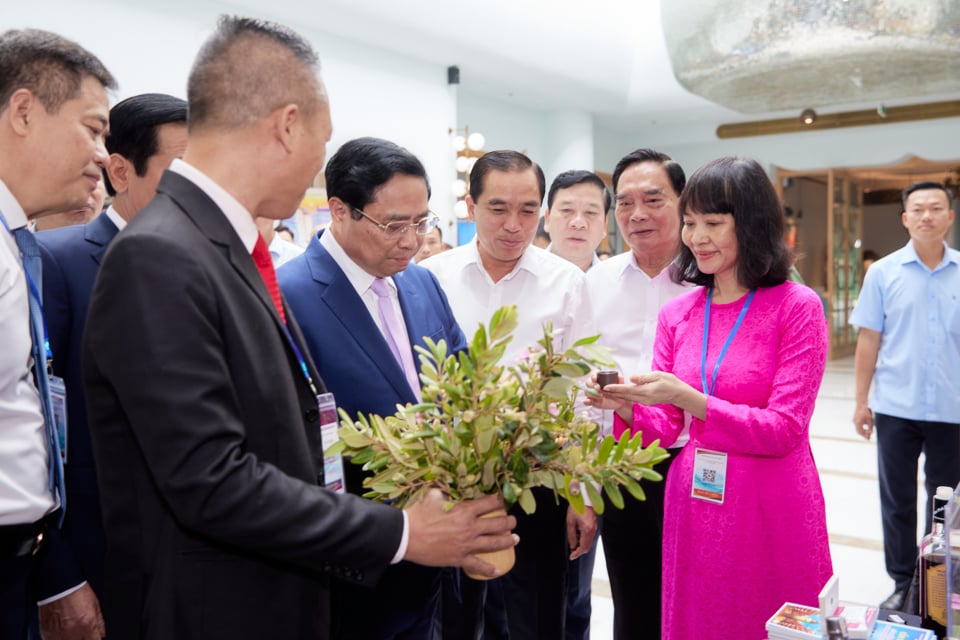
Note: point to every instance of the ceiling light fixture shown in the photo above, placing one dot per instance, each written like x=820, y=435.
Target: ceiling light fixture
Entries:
x=808, y=116
x=891, y=115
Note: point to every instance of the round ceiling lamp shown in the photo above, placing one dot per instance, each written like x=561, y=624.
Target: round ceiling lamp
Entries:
x=757, y=56
x=808, y=116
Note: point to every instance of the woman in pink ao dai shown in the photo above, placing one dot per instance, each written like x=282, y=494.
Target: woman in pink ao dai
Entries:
x=740, y=359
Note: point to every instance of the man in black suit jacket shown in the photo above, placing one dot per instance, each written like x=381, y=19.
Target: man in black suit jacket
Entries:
x=146, y=133
x=201, y=397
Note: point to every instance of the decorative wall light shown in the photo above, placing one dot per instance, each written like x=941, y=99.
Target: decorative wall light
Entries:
x=468, y=147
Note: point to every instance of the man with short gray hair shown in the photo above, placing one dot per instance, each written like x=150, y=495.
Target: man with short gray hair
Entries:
x=53, y=118
x=218, y=517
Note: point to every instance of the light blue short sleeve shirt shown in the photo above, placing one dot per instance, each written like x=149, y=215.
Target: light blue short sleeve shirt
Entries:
x=917, y=312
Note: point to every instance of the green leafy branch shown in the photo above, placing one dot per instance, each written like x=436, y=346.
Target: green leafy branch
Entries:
x=489, y=428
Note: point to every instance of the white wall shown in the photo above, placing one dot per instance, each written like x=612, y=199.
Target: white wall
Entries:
x=151, y=46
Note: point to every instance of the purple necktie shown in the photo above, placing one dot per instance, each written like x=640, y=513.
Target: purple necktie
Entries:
x=394, y=333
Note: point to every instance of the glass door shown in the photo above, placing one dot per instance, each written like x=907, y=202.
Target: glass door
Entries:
x=845, y=224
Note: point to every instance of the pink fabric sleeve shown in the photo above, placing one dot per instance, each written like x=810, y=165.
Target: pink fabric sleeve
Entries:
x=778, y=428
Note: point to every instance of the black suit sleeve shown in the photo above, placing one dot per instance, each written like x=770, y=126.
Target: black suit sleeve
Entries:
x=182, y=360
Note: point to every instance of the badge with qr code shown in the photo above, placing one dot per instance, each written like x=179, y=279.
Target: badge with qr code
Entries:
x=709, y=475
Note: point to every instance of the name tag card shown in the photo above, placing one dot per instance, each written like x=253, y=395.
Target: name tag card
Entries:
x=332, y=465
x=709, y=475
x=58, y=402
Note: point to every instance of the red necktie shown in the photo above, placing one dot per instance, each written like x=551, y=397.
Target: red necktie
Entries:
x=261, y=256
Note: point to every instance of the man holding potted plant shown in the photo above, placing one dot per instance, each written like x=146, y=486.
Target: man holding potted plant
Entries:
x=502, y=268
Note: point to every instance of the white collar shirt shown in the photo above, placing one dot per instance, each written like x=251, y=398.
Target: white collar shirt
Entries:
x=626, y=304
x=116, y=218
x=237, y=215
x=24, y=492
x=361, y=281
x=544, y=287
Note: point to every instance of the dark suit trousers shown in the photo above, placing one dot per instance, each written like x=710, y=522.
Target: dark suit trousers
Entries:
x=534, y=591
x=899, y=443
x=403, y=606
x=632, y=546
x=17, y=603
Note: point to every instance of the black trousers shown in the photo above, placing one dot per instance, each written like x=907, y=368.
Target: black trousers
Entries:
x=632, y=546
x=533, y=592
x=19, y=561
x=899, y=443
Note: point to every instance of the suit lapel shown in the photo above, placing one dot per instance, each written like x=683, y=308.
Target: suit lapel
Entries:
x=213, y=223
x=344, y=303
x=99, y=232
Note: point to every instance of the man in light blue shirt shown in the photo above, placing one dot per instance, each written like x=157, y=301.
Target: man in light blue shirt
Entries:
x=909, y=347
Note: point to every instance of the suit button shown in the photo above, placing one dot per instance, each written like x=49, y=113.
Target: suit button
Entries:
x=311, y=415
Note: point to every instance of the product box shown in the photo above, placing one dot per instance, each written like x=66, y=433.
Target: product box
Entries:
x=860, y=619
x=795, y=621
x=883, y=630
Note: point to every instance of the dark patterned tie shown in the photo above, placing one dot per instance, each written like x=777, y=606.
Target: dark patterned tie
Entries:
x=33, y=266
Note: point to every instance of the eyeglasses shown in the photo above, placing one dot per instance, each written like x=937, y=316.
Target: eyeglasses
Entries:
x=421, y=227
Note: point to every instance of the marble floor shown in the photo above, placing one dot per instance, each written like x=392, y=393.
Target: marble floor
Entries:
x=848, y=473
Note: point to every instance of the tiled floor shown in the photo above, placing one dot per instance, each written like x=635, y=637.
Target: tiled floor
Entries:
x=848, y=472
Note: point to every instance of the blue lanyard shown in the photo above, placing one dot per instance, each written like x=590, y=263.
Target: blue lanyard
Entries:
x=300, y=359
x=35, y=293
x=706, y=334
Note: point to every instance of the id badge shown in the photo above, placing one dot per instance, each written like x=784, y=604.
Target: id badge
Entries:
x=709, y=475
x=58, y=402
x=332, y=465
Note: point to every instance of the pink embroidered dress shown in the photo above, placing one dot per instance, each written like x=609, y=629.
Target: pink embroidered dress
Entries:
x=728, y=567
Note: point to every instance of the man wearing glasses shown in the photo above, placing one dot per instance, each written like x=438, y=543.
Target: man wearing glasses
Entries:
x=362, y=306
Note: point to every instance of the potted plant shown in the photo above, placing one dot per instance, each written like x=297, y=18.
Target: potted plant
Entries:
x=487, y=427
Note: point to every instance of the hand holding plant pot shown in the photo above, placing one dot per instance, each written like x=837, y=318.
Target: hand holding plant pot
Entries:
x=492, y=428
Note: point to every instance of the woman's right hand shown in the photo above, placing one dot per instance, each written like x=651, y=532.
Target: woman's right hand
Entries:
x=595, y=397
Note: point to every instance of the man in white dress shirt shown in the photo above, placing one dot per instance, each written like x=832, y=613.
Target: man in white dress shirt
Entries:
x=576, y=219
x=53, y=118
x=502, y=268
x=627, y=292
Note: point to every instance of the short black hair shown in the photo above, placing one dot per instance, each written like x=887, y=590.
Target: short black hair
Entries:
x=247, y=69
x=503, y=160
x=674, y=171
x=49, y=65
x=360, y=167
x=741, y=188
x=133, y=128
x=924, y=186
x=574, y=177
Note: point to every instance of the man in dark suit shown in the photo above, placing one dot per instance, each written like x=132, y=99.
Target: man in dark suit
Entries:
x=378, y=194
x=202, y=399
x=146, y=133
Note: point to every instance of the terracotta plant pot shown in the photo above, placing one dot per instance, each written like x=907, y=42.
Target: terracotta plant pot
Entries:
x=502, y=560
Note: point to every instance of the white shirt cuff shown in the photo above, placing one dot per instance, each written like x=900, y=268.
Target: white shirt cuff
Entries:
x=60, y=595
x=404, y=540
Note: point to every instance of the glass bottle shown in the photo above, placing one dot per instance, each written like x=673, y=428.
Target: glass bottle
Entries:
x=933, y=570
x=837, y=628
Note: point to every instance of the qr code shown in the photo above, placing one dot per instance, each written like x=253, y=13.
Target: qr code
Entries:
x=709, y=475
